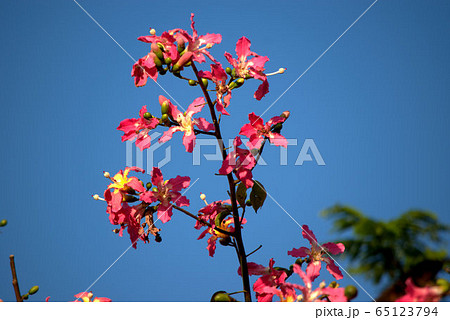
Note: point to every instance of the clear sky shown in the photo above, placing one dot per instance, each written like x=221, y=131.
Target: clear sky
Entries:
x=376, y=106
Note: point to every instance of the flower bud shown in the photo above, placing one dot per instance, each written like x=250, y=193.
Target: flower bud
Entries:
x=203, y=196
x=157, y=51
x=443, y=284
x=128, y=198
x=225, y=241
x=350, y=292
x=3, y=223
x=158, y=62
x=116, y=231
x=239, y=82
x=148, y=185
x=277, y=128
x=205, y=82
x=299, y=261
x=285, y=114
x=192, y=82
x=147, y=115
x=106, y=174
x=33, y=290
x=155, y=189
x=180, y=45
x=233, y=73
x=333, y=284
x=165, y=107
x=248, y=203
x=164, y=118
x=222, y=296
x=228, y=70
x=168, y=60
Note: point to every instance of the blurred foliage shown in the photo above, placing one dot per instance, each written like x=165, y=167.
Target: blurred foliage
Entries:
x=394, y=248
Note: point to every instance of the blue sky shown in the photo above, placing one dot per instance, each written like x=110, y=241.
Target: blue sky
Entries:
x=376, y=106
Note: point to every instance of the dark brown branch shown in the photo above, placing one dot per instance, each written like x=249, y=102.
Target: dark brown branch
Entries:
x=260, y=246
x=15, y=282
x=238, y=236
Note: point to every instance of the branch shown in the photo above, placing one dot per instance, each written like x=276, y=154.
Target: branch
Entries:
x=260, y=246
x=237, y=225
x=15, y=283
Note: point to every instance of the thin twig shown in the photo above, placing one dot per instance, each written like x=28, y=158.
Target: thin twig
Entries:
x=260, y=246
x=15, y=282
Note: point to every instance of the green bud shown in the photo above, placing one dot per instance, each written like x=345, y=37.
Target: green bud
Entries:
x=239, y=82
x=162, y=71
x=116, y=231
x=225, y=241
x=333, y=284
x=248, y=203
x=165, y=107
x=167, y=60
x=147, y=115
x=155, y=189
x=205, y=82
x=350, y=292
x=148, y=185
x=233, y=73
x=192, y=82
x=128, y=198
x=188, y=64
x=33, y=290
x=299, y=261
x=180, y=46
x=157, y=51
x=228, y=70
x=3, y=223
x=164, y=118
x=157, y=61
x=222, y=296
x=176, y=68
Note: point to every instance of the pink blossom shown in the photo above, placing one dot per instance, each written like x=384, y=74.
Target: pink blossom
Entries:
x=223, y=92
x=252, y=68
x=241, y=161
x=186, y=122
x=420, y=294
x=166, y=42
x=144, y=68
x=139, y=129
x=256, y=131
x=89, y=297
x=317, y=254
x=208, y=214
x=197, y=45
x=167, y=192
x=123, y=186
x=309, y=295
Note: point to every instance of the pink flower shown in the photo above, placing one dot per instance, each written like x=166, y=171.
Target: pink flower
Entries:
x=241, y=161
x=139, y=129
x=167, y=192
x=223, y=92
x=88, y=297
x=186, y=122
x=253, y=68
x=196, y=49
x=420, y=294
x=272, y=282
x=317, y=254
x=144, y=68
x=256, y=131
x=309, y=295
x=209, y=214
x=165, y=44
x=123, y=186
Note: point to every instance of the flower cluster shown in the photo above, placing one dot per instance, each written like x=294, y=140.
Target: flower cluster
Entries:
x=273, y=279
x=139, y=219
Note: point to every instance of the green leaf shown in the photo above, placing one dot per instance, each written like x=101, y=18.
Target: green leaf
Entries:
x=241, y=194
x=258, y=195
